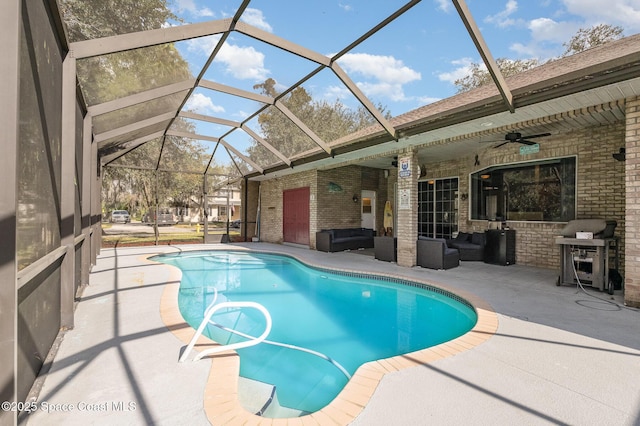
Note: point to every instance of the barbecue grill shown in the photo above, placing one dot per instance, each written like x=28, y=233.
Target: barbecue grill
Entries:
x=587, y=247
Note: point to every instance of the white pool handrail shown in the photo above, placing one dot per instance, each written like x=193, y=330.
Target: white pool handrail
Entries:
x=287, y=345
x=239, y=345
x=212, y=308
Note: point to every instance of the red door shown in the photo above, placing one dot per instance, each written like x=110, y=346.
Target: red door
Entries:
x=295, y=215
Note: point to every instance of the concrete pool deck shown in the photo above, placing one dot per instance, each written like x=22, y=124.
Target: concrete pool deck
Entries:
x=553, y=355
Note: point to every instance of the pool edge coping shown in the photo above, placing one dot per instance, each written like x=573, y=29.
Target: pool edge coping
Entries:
x=221, y=403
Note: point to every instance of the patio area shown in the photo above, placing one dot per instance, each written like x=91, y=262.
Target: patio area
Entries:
x=558, y=356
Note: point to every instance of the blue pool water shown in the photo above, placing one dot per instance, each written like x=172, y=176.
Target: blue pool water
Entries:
x=351, y=318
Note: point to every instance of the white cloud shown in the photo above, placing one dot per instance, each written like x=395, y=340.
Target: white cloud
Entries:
x=625, y=13
x=387, y=73
x=503, y=19
x=256, y=18
x=461, y=70
x=345, y=7
x=444, y=5
x=336, y=92
x=202, y=104
x=241, y=114
x=547, y=37
x=244, y=63
x=547, y=34
x=383, y=68
x=190, y=7
x=203, y=45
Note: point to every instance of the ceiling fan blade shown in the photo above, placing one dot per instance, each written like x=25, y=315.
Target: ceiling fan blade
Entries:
x=541, y=135
x=526, y=142
x=500, y=144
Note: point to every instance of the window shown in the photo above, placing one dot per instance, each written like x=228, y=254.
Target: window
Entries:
x=533, y=191
x=438, y=207
x=366, y=205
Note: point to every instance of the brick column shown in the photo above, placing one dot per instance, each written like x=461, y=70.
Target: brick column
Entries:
x=407, y=208
x=632, y=215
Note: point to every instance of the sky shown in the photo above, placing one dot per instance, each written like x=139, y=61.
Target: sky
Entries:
x=411, y=62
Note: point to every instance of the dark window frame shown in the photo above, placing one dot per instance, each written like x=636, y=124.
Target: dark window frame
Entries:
x=529, y=191
x=438, y=209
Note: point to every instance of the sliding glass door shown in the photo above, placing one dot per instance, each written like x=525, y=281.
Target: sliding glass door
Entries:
x=438, y=207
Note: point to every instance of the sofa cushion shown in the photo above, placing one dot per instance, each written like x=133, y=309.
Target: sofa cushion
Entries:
x=349, y=239
x=422, y=237
x=450, y=251
x=462, y=236
x=467, y=246
x=478, y=238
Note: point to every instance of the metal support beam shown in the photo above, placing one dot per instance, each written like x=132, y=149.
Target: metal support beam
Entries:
x=266, y=144
x=189, y=135
x=282, y=43
x=241, y=156
x=85, y=199
x=119, y=43
x=10, y=25
x=150, y=169
x=303, y=127
x=205, y=207
x=138, y=98
x=209, y=119
x=353, y=88
x=68, y=191
x=485, y=53
x=236, y=92
x=102, y=137
x=96, y=204
x=130, y=146
x=155, y=221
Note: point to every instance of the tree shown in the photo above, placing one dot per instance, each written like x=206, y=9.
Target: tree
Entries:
x=114, y=76
x=584, y=39
x=479, y=76
x=591, y=37
x=329, y=121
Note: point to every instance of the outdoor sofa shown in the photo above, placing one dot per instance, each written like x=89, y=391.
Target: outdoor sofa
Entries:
x=331, y=240
x=470, y=245
x=434, y=253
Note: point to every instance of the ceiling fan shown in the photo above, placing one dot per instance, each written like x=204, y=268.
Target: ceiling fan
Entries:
x=517, y=137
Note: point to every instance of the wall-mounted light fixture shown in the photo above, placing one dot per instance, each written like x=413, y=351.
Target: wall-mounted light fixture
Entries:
x=485, y=176
x=464, y=196
x=355, y=198
x=620, y=156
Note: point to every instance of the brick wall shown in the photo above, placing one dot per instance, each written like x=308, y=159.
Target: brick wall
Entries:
x=632, y=229
x=329, y=207
x=600, y=178
x=336, y=209
x=407, y=231
x=271, y=204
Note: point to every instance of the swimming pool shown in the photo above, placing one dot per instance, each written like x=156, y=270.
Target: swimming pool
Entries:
x=351, y=318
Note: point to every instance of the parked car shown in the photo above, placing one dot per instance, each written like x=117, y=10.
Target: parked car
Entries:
x=165, y=217
x=120, y=216
x=236, y=223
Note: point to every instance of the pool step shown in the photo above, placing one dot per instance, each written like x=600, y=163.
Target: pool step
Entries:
x=261, y=398
x=255, y=396
x=275, y=410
